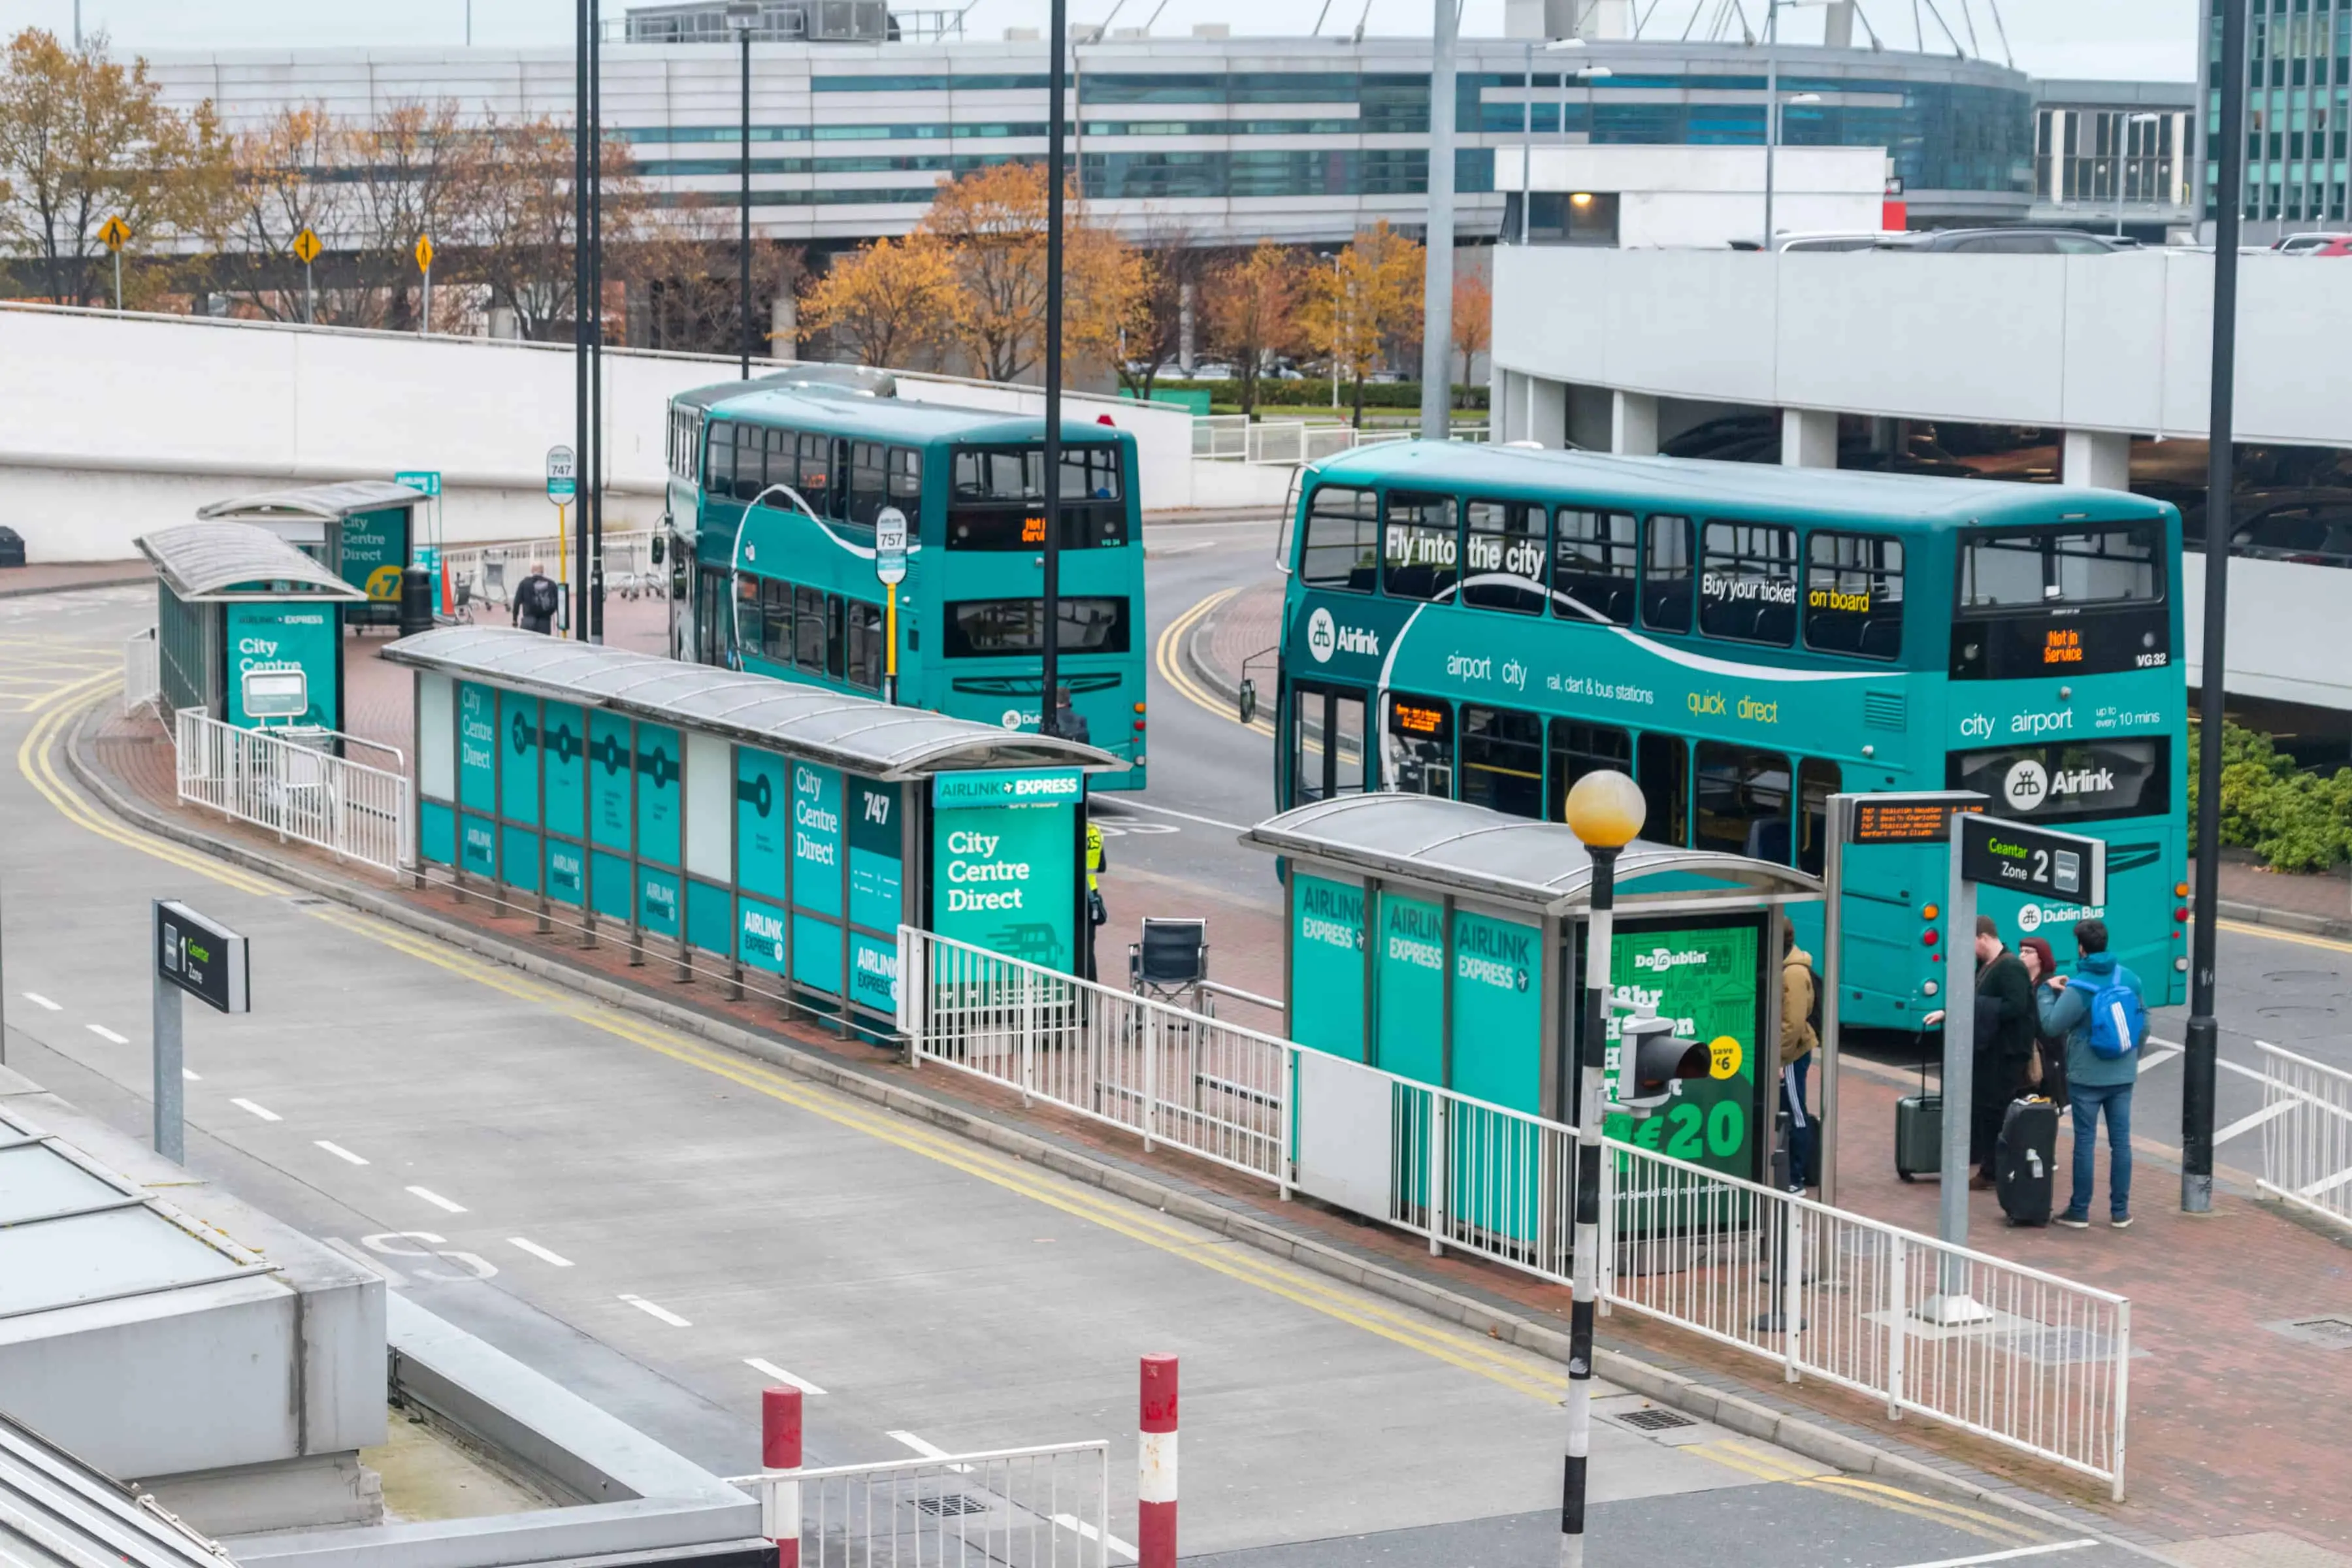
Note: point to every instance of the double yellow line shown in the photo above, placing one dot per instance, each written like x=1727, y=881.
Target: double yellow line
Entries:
x=1773, y=1465
x=36, y=759
x=1167, y=656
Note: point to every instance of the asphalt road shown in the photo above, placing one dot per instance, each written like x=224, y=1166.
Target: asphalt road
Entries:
x=668, y=1227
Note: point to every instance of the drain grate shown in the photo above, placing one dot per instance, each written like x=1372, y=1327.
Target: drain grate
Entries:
x=1655, y=1420
x=955, y=1505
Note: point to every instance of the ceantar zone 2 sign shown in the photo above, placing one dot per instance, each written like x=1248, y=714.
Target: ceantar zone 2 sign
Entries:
x=2062, y=867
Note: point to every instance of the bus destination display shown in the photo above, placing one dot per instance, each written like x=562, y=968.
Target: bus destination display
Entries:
x=1909, y=818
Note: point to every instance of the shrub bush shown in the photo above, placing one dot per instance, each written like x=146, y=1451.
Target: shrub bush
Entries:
x=2292, y=820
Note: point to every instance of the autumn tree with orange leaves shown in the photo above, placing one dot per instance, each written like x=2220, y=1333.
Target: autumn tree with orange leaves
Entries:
x=886, y=303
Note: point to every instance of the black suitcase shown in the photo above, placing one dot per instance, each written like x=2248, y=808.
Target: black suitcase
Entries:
x=1919, y=1132
x=2025, y=1158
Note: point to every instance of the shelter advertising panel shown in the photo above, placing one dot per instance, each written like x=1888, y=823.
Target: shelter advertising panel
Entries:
x=1497, y=1011
x=1326, y=964
x=303, y=634
x=565, y=746
x=518, y=775
x=1004, y=855
x=817, y=844
x=1409, y=988
x=1708, y=975
x=659, y=791
x=609, y=771
x=762, y=792
x=477, y=747
x=374, y=549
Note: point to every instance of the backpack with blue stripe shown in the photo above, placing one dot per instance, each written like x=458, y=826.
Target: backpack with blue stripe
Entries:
x=2118, y=1017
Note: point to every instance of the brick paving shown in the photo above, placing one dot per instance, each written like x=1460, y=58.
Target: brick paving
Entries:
x=2231, y=1424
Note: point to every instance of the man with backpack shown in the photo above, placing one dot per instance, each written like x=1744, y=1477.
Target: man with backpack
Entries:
x=536, y=601
x=2100, y=1012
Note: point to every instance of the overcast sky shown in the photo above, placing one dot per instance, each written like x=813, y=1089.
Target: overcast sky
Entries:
x=2116, y=39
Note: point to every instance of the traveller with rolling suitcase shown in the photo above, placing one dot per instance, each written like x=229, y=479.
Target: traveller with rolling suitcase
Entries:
x=1919, y=1132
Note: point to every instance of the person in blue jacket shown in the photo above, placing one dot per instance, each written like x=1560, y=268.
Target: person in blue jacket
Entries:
x=2096, y=1080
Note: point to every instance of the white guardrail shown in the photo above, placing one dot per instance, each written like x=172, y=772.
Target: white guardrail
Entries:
x=1025, y=1508
x=488, y=573
x=1295, y=442
x=142, y=670
x=2307, y=1134
x=2034, y=1363
x=297, y=790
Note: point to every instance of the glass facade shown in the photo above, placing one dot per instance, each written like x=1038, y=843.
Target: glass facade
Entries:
x=2298, y=77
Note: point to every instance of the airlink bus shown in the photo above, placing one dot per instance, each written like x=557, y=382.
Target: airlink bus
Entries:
x=1490, y=624
x=774, y=487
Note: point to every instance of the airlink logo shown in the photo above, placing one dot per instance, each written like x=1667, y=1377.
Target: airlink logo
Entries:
x=1325, y=636
x=1660, y=960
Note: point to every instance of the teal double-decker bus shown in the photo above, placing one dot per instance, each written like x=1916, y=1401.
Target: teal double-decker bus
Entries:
x=1491, y=624
x=775, y=487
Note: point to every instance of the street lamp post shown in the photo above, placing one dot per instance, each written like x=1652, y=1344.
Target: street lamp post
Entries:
x=1050, y=601
x=583, y=13
x=2122, y=145
x=742, y=17
x=2202, y=1037
x=1437, y=260
x=1605, y=811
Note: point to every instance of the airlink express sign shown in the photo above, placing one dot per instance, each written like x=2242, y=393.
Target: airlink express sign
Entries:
x=1004, y=862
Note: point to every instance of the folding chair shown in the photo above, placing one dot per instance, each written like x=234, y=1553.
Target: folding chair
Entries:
x=1170, y=963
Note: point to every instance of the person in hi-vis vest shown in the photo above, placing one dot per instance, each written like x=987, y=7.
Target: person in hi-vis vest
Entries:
x=1096, y=862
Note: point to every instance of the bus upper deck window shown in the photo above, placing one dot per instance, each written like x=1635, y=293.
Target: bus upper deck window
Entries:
x=2112, y=564
x=1418, y=546
x=816, y=471
x=1747, y=583
x=868, y=490
x=1853, y=594
x=1666, y=574
x=719, y=462
x=1593, y=565
x=749, y=461
x=1502, y=556
x=1341, y=548
x=906, y=478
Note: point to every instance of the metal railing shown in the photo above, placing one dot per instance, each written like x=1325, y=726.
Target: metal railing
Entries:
x=299, y=790
x=491, y=570
x=1025, y=1508
x=1236, y=438
x=2026, y=1359
x=1207, y=1087
x=142, y=670
x=1221, y=434
x=2307, y=1134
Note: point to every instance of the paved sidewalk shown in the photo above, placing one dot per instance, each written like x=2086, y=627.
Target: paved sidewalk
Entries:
x=59, y=576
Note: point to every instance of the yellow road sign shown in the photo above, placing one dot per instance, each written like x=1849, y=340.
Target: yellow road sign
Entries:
x=114, y=234
x=306, y=248
x=424, y=253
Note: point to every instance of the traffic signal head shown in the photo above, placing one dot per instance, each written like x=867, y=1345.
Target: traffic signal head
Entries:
x=1650, y=1058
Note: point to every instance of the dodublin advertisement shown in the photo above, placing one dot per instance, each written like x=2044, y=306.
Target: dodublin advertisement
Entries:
x=1004, y=863
x=1708, y=978
x=305, y=635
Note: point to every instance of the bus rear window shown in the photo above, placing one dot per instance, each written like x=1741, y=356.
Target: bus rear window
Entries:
x=1341, y=549
x=997, y=628
x=2117, y=564
x=997, y=498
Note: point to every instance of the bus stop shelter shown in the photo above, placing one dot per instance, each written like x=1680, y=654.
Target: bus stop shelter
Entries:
x=741, y=820
x=247, y=626
x=1444, y=942
x=363, y=530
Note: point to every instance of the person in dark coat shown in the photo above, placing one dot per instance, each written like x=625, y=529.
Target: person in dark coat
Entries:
x=536, y=601
x=2006, y=1027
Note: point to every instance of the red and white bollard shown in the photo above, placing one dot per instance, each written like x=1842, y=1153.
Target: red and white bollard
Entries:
x=1155, y=1466
x=779, y=1449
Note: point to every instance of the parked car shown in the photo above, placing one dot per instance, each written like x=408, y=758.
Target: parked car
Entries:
x=2304, y=243
x=11, y=547
x=2006, y=242
x=1861, y=239
x=2340, y=246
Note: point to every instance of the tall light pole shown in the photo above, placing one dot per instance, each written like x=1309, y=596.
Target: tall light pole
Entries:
x=583, y=12
x=1605, y=811
x=742, y=15
x=1050, y=603
x=1437, y=279
x=2122, y=145
x=2202, y=1037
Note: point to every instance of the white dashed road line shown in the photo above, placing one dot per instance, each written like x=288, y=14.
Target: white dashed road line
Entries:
x=436, y=1200
x=339, y=1152
x=192, y=1075
x=103, y=1033
x=542, y=1254
x=654, y=1309
x=261, y=1110
x=37, y=1000
x=1072, y=1522
x=2015, y=1554
x=769, y=1369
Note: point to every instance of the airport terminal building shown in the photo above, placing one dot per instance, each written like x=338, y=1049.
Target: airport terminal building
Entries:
x=1228, y=139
